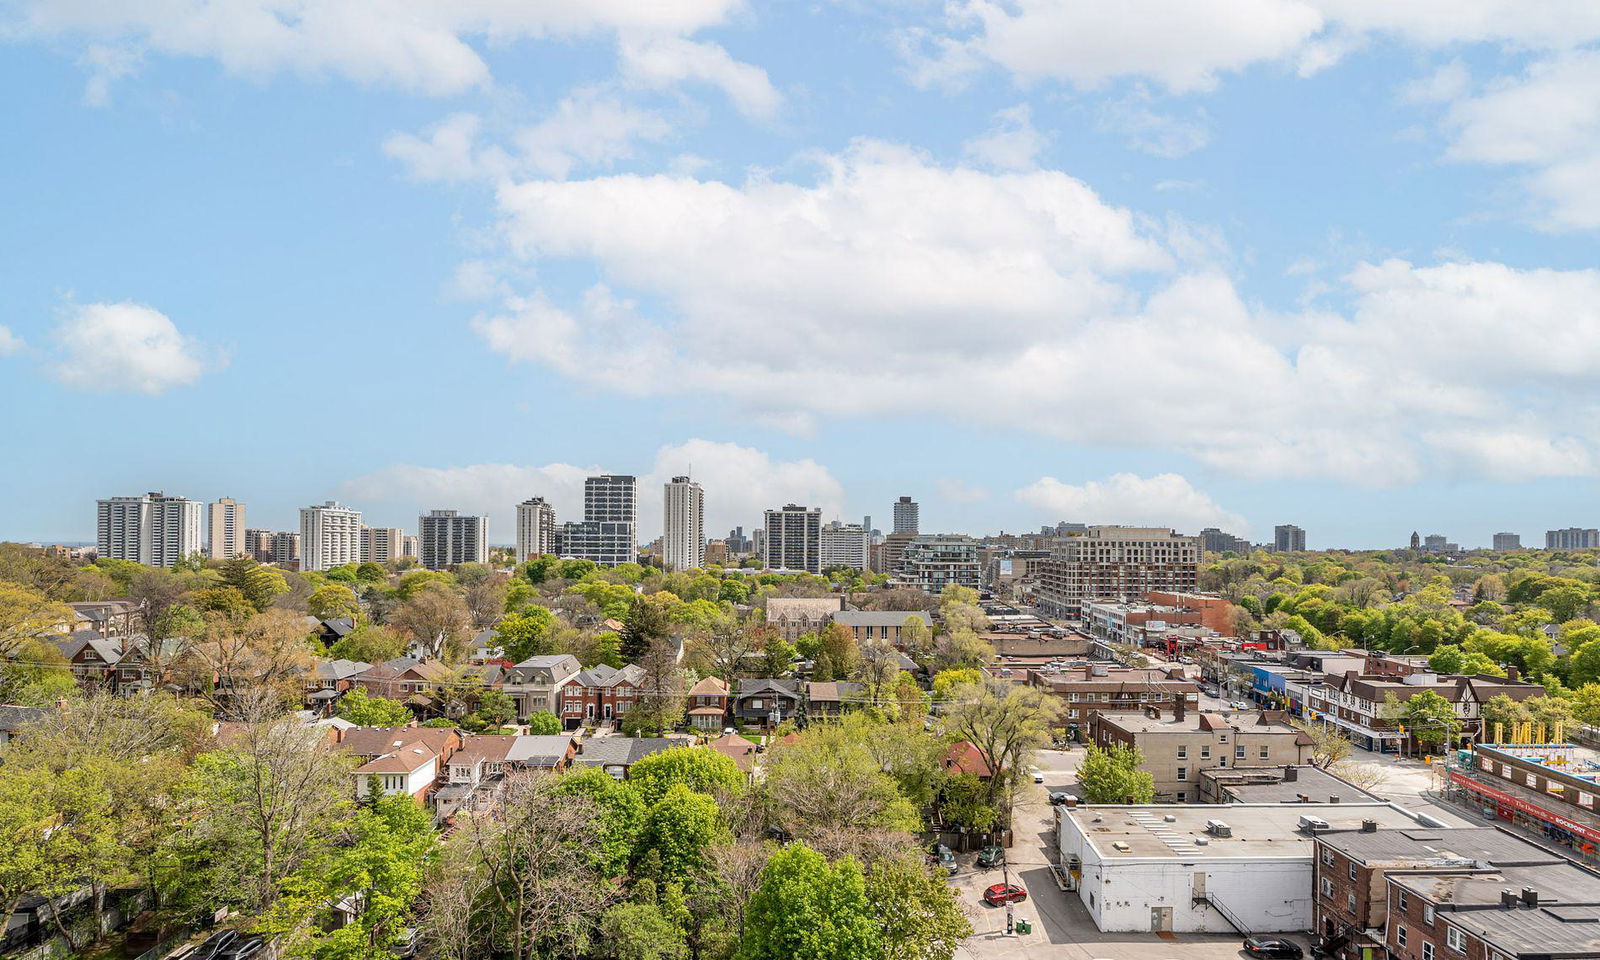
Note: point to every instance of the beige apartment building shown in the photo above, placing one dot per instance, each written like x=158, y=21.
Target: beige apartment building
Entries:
x=1115, y=563
x=1178, y=746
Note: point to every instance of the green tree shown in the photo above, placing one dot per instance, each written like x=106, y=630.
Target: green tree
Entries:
x=1008, y=723
x=226, y=602
x=1586, y=704
x=640, y=931
x=257, y=584
x=620, y=818
x=1428, y=718
x=333, y=601
x=1114, y=776
x=375, y=870
x=496, y=708
x=679, y=829
x=805, y=907
x=1584, y=665
x=543, y=723
x=946, y=681
x=364, y=710
x=1565, y=603
x=179, y=621
x=964, y=802
x=917, y=914
x=368, y=643
x=36, y=675
x=697, y=768
x=647, y=623
x=370, y=572
x=526, y=633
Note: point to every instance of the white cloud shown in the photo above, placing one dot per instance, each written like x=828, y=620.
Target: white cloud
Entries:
x=661, y=61
x=106, y=65
x=1012, y=143
x=128, y=348
x=1184, y=46
x=1164, y=500
x=1446, y=83
x=740, y=482
x=9, y=342
x=1546, y=122
x=927, y=285
x=429, y=49
x=590, y=128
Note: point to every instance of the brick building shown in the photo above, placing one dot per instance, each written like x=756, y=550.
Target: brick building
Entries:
x=600, y=695
x=1178, y=746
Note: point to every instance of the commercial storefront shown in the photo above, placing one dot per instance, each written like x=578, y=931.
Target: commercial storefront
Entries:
x=1582, y=836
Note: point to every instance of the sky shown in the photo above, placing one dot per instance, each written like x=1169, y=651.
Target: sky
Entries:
x=1230, y=263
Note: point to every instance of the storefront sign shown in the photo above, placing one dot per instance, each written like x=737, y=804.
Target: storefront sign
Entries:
x=1523, y=806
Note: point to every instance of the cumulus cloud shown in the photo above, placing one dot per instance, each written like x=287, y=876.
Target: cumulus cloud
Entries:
x=929, y=284
x=128, y=348
x=428, y=50
x=1545, y=123
x=1152, y=131
x=740, y=482
x=959, y=491
x=9, y=342
x=1164, y=500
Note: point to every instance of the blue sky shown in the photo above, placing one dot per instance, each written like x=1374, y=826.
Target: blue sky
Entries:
x=1236, y=263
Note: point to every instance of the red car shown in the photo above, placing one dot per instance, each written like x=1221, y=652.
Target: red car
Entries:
x=1004, y=893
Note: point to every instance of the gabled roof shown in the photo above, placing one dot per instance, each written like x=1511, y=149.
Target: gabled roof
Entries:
x=338, y=669
x=404, y=760
x=802, y=608
x=539, y=751
x=604, y=675
x=339, y=626
x=736, y=748
x=620, y=751
x=752, y=686
x=376, y=741
x=709, y=687
x=965, y=757
x=826, y=691
x=556, y=664
x=104, y=649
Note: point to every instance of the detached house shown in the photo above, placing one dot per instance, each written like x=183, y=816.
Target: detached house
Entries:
x=399, y=760
x=600, y=695
x=766, y=702
x=474, y=772
x=708, y=704
x=832, y=698
x=535, y=683
x=404, y=678
x=329, y=679
x=92, y=657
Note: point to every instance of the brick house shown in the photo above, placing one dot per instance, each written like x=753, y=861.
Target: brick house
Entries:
x=760, y=701
x=1178, y=747
x=399, y=760
x=708, y=704
x=600, y=695
x=1508, y=913
x=1107, y=688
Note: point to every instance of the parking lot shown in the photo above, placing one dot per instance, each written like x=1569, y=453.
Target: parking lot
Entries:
x=1062, y=929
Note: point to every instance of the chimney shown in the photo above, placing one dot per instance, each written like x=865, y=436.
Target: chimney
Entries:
x=1508, y=900
x=1369, y=826
x=1177, y=706
x=1290, y=773
x=1352, y=675
x=1530, y=897
x=1334, y=798
x=1512, y=673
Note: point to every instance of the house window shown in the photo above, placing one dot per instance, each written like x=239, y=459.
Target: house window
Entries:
x=1427, y=950
x=1400, y=936
x=1183, y=753
x=1350, y=903
x=1327, y=857
x=1183, y=774
x=1205, y=752
x=1427, y=914
x=1400, y=901
x=1223, y=738
x=1238, y=752
x=1183, y=796
x=1352, y=871
x=755, y=704
x=1327, y=887
x=1265, y=751
x=1222, y=761
x=1456, y=940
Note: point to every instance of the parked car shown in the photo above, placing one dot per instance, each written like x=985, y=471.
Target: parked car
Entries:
x=1004, y=893
x=946, y=859
x=1059, y=797
x=1038, y=777
x=991, y=856
x=1284, y=949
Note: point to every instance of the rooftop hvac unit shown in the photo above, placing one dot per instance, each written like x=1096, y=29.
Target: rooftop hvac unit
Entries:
x=1219, y=828
x=1312, y=824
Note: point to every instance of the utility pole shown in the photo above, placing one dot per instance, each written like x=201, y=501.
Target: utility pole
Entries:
x=1005, y=877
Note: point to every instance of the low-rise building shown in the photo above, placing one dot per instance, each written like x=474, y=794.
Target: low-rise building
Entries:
x=1511, y=913
x=1290, y=783
x=793, y=616
x=766, y=702
x=1095, y=688
x=617, y=755
x=536, y=683
x=398, y=761
x=707, y=704
x=1179, y=745
x=600, y=695
x=1366, y=707
x=1542, y=788
x=1202, y=869
x=881, y=624
x=1351, y=914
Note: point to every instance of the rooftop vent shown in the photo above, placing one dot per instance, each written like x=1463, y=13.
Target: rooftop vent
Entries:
x=1312, y=824
x=1369, y=826
x=1219, y=828
x=1508, y=900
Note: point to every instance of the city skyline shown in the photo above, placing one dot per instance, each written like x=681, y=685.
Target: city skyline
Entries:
x=1319, y=312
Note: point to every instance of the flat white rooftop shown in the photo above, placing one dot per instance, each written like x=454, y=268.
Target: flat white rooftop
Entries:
x=1178, y=831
